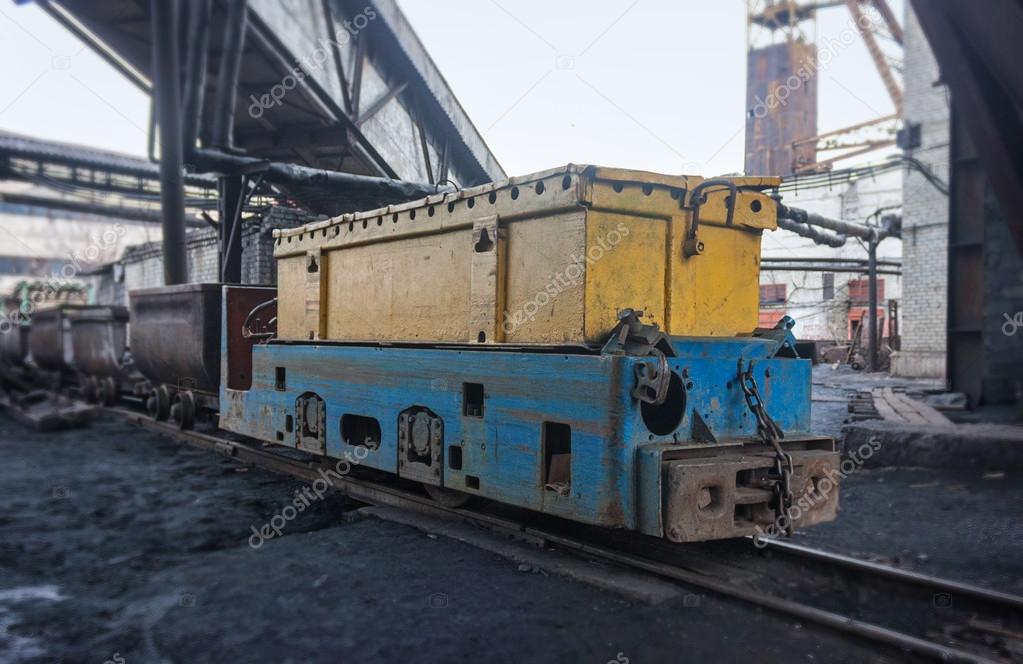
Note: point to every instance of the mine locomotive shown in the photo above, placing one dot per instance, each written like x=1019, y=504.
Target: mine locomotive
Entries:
x=582, y=342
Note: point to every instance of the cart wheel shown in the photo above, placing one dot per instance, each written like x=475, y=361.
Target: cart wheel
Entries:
x=447, y=497
x=158, y=404
x=183, y=410
x=107, y=391
x=89, y=387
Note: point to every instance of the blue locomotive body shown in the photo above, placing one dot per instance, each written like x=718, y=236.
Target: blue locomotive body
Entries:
x=562, y=431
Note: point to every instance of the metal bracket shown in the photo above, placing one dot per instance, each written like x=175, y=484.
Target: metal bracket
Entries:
x=692, y=246
x=701, y=430
x=782, y=335
x=652, y=380
x=635, y=339
x=420, y=445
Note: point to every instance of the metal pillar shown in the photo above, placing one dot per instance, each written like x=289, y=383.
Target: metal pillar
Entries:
x=231, y=187
x=172, y=183
x=197, y=44
x=872, y=303
x=229, y=232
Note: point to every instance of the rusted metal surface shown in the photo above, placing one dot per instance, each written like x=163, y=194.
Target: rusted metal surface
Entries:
x=485, y=265
x=733, y=499
x=252, y=311
x=99, y=342
x=14, y=345
x=777, y=129
x=175, y=335
x=50, y=340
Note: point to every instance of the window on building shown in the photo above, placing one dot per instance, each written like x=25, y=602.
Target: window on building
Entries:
x=859, y=290
x=828, y=285
x=770, y=317
x=772, y=294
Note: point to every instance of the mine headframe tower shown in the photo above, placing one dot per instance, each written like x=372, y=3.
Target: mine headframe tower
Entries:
x=783, y=60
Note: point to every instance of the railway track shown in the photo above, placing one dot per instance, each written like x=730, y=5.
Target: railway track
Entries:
x=907, y=612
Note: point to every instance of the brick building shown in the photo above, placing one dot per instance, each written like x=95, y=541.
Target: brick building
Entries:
x=924, y=213
x=141, y=266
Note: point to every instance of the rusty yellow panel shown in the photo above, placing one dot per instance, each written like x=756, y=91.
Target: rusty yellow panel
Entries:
x=626, y=259
x=291, y=287
x=416, y=289
x=718, y=292
x=752, y=210
x=507, y=262
x=545, y=279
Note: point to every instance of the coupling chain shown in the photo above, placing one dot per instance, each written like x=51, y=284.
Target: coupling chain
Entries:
x=770, y=433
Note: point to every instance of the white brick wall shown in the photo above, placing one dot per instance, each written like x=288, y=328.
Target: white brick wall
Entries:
x=924, y=213
x=143, y=264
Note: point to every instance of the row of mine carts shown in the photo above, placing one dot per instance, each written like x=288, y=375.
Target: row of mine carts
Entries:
x=60, y=362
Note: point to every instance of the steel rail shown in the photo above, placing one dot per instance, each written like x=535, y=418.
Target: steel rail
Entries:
x=379, y=494
x=925, y=581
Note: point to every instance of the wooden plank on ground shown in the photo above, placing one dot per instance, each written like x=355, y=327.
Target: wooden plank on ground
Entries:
x=899, y=404
x=928, y=414
x=884, y=408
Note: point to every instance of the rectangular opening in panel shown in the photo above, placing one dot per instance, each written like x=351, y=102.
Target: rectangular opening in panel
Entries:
x=472, y=482
x=472, y=399
x=455, y=457
x=280, y=382
x=289, y=423
x=360, y=430
x=557, y=455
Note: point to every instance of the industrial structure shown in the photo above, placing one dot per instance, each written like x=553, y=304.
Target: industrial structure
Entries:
x=328, y=108
x=959, y=275
x=826, y=286
x=587, y=371
x=783, y=59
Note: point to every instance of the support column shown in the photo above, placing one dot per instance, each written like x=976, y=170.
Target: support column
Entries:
x=872, y=303
x=229, y=233
x=166, y=89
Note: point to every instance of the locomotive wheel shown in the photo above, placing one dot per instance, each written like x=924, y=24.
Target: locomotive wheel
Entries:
x=158, y=404
x=447, y=497
x=183, y=410
x=107, y=392
x=89, y=388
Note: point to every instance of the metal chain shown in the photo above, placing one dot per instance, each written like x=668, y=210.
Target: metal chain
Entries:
x=771, y=434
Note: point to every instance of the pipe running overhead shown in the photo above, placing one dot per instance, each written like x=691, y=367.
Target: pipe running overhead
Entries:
x=818, y=236
x=335, y=182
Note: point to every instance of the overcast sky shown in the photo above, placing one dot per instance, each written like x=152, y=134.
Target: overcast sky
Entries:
x=652, y=84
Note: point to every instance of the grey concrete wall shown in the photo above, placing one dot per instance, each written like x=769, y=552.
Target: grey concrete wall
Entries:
x=1003, y=296
x=924, y=215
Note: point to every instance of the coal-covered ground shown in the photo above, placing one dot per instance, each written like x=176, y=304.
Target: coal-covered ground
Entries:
x=119, y=545
x=962, y=524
